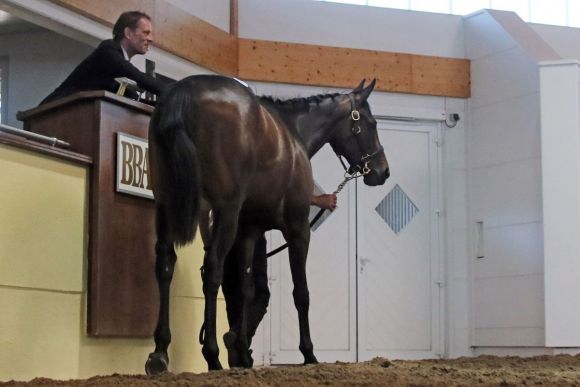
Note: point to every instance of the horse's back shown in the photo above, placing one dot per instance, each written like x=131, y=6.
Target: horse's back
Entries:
x=245, y=151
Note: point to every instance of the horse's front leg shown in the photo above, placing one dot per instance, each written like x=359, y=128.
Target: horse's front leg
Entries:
x=165, y=263
x=223, y=235
x=259, y=305
x=254, y=295
x=230, y=287
x=245, y=248
x=298, y=240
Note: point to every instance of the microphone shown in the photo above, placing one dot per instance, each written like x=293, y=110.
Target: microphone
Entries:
x=150, y=70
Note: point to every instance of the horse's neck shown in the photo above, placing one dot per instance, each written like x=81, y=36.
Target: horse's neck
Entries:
x=315, y=127
x=313, y=139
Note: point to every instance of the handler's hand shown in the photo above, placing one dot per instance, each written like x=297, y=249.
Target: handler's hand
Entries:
x=326, y=201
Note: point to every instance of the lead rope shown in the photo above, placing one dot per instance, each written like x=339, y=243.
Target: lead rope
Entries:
x=347, y=177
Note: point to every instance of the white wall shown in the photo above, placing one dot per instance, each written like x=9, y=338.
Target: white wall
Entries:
x=344, y=25
x=505, y=179
x=216, y=12
x=560, y=107
x=456, y=248
x=564, y=40
x=38, y=62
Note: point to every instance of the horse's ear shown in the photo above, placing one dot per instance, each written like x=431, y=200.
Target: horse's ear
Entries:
x=364, y=94
x=360, y=86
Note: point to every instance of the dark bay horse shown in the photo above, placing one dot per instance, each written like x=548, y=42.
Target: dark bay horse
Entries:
x=216, y=146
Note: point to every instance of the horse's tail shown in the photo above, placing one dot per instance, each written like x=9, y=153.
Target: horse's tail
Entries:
x=173, y=128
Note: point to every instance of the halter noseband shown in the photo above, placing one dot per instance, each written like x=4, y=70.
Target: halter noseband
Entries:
x=362, y=167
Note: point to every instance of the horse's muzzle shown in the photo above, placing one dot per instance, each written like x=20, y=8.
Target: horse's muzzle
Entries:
x=375, y=177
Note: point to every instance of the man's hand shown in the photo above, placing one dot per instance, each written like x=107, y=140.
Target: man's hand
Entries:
x=326, y=201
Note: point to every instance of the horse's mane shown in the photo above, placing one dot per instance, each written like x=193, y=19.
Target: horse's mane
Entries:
x=300, y=101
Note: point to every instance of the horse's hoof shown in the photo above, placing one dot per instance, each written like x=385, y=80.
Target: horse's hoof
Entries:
x=211, y=357
x=214, y=366
x=230, y=338
x=310, y=359
x=156, y=363
x=246, y=360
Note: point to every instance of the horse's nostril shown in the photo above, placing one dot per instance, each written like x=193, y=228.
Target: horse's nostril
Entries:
x=387, y=173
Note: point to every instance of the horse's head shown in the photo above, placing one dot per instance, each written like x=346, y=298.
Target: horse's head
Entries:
x=355, y=138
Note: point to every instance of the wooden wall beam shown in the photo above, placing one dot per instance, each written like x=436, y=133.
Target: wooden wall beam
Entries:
x=202, y=43
x=261, y=60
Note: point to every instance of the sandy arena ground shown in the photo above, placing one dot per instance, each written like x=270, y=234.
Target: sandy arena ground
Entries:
x=561, y=370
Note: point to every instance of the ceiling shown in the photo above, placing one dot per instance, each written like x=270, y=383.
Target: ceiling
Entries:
x=10, y=24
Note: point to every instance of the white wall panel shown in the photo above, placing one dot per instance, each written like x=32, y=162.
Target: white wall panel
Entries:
x=458, y=253
x=562, y=39
x=509, y=302
x=560, y=106
x=511, y=251
x=459, y=320
x=507, y=194
x=508, y=341
x=216, y=12
x=455, y=153
x=344, y=25
x=505, y=179
x=501, y=76
x=505, y=132
x=461, y=289
x=485, y=37
x=533, y=44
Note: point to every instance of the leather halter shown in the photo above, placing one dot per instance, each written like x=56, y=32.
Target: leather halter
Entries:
x=362, y=166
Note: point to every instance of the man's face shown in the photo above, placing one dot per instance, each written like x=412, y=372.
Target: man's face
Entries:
x=138, y=40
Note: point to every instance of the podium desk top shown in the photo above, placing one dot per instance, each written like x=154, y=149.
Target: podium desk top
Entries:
x=83, y=96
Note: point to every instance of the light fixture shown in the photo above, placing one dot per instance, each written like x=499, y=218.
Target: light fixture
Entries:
x=4, y=16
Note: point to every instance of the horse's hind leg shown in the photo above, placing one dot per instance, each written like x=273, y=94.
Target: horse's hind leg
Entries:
x=298, y=241
x=224, y=233
x=165, y=263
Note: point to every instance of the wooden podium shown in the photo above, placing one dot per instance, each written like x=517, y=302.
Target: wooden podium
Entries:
x=123, y=298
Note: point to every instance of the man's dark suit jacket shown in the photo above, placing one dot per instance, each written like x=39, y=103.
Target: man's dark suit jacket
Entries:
x=99, y=70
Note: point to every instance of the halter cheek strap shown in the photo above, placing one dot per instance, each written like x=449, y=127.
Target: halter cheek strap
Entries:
x=362, y=167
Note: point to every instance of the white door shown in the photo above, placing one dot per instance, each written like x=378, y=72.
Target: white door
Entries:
x=399, y=272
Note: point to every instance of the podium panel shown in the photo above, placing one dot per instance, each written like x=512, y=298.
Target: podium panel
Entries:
x=122, y=297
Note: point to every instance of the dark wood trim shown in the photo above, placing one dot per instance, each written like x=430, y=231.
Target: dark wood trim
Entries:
x=234, y=18
x=37, y=147
x=97, y=94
